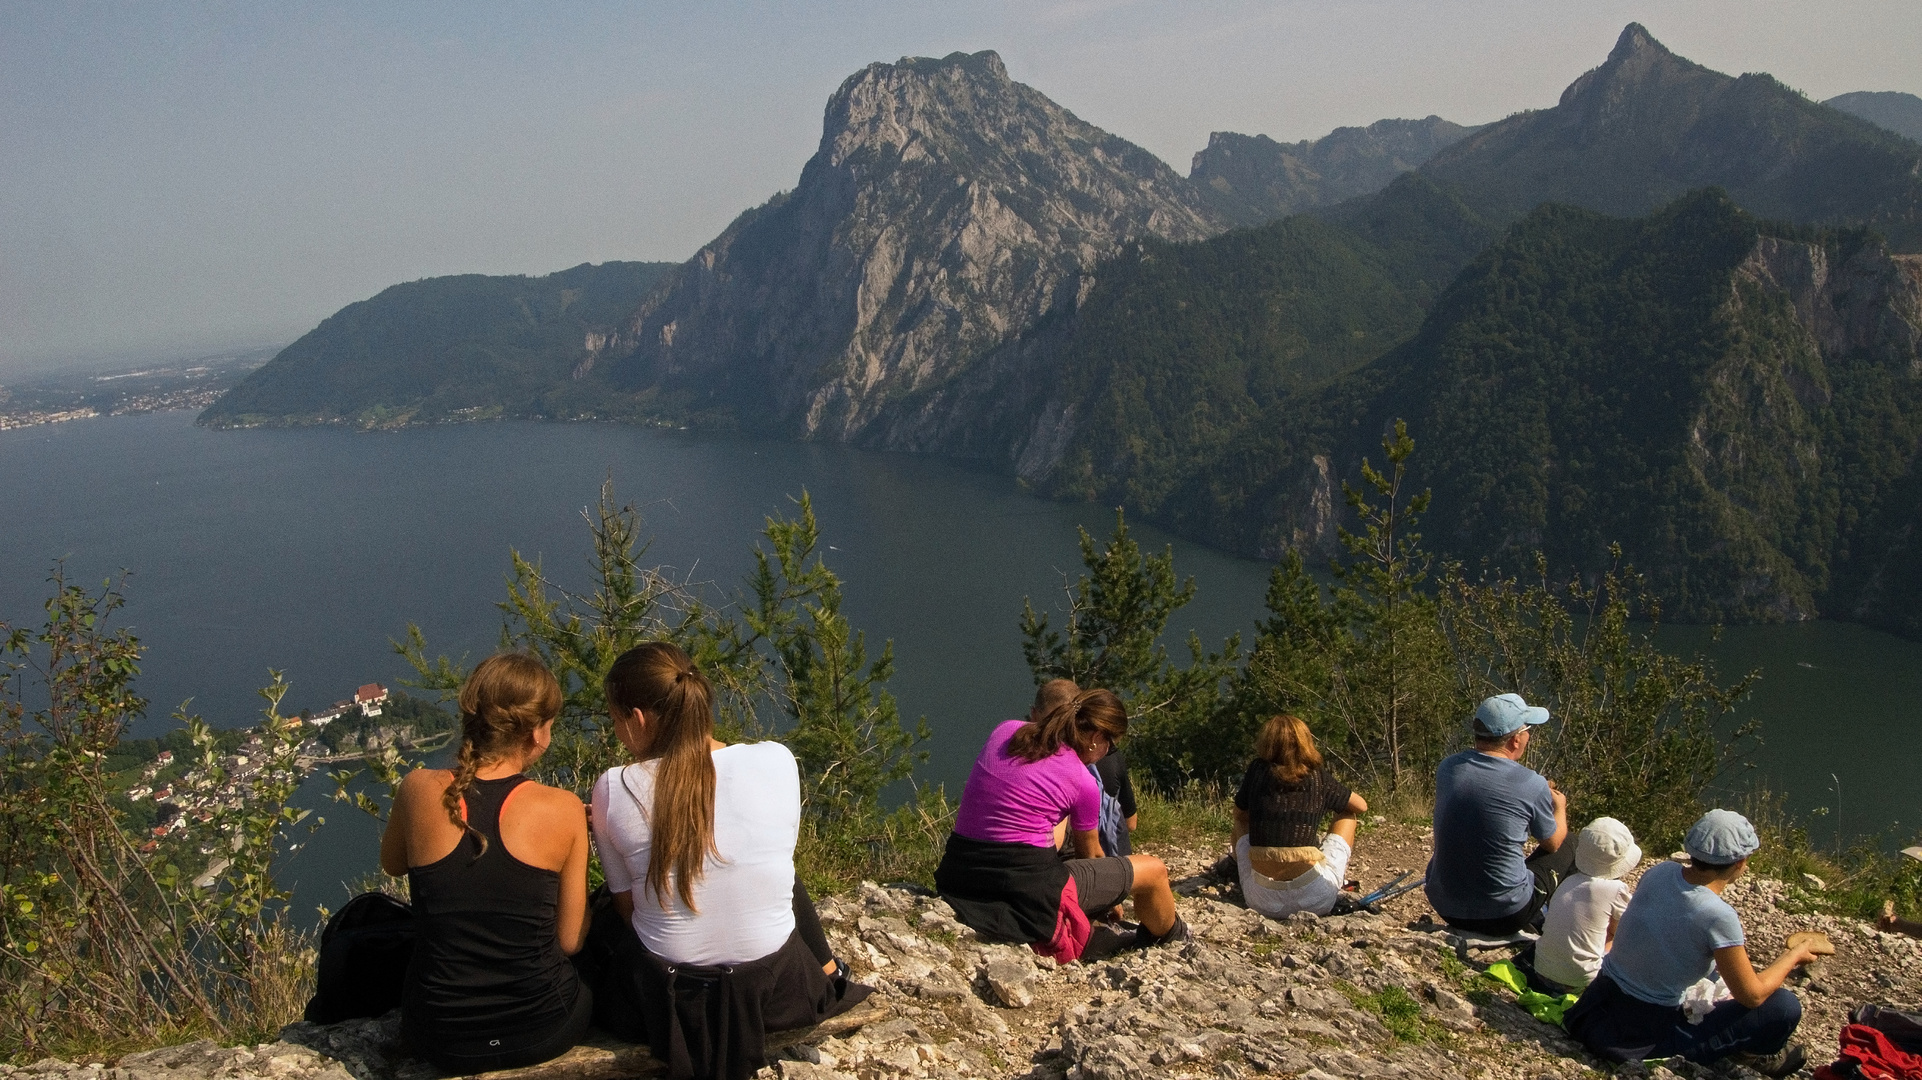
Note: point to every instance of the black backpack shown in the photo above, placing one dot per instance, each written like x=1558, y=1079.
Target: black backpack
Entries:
x=364, y=952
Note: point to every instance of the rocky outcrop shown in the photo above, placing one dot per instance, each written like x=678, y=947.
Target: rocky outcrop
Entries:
x=1863, y=302
x=1369, y=996
x=947, y=211
x=1252, y=178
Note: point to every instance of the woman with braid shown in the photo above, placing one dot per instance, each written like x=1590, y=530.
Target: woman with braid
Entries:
x=497, y=867
x=717, y=942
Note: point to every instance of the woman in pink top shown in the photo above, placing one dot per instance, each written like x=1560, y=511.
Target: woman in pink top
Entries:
x=1003, y=871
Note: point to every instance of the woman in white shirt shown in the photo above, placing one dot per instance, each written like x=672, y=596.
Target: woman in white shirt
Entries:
x=696, y=839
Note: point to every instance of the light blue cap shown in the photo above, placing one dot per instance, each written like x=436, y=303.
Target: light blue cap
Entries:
x=1720, y=838
x=1505, y=714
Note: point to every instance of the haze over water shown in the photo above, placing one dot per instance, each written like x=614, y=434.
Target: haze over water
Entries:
x=307, y=550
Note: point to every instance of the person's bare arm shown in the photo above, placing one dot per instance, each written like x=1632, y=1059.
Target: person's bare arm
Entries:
x=1608, y=940
x=1241, y=827
x=1554, y=840
x=1750, y=987
x=1087, y=845
x=393, y=841
x=1356, y=805
x=1132, y=818
x=624, y=903
x=571, y=925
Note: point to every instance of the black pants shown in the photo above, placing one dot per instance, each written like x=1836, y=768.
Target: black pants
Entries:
x=1549, y=869
x=807, y=923
x=1618, y=1027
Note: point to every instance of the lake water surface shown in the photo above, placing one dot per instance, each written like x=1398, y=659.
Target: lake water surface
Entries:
x=307, y=550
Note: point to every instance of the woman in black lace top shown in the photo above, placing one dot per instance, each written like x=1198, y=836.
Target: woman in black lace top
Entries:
x=1285, y=864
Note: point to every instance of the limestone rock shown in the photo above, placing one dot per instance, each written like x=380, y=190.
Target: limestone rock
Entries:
x=946, y=212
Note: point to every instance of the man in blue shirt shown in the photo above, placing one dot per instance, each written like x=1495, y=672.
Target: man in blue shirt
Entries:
x=1487, y=805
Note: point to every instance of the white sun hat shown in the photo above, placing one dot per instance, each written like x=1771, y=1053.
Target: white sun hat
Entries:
x=1606, y=849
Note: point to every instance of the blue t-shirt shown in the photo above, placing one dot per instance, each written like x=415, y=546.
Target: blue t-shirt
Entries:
x=1485, y=808
x=1668, y=936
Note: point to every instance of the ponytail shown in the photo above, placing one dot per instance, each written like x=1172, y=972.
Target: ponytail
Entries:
x=1074, y=722
x=501, y=704
x=661, y=680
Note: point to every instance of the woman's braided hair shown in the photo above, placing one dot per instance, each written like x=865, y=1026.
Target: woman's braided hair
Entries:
x=661, y=680
x=501, y=704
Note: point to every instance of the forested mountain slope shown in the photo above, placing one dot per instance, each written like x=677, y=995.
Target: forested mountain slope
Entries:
x=1181, y=346
x=1738, y=404
x=1647, y=126
x=444, y=348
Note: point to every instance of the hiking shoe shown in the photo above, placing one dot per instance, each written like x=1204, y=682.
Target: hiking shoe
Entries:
x=1787, y=1060
x=1226, y=868
x=1176, y=934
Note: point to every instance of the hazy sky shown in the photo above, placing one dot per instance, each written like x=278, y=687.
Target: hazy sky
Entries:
x=199, y=175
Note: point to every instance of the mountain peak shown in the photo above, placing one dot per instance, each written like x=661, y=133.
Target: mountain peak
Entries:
x=1635, y=41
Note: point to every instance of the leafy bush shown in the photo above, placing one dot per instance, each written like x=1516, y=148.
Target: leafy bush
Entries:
x=111, y=934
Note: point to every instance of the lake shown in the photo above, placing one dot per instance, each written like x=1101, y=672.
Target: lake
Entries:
x=308, y=550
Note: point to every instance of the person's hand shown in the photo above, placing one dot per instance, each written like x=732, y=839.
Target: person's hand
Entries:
x=1557, y=794
x=1803, y=954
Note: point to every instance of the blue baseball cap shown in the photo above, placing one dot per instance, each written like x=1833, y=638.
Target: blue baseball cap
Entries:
x=1721, y=838
x=1505, y=714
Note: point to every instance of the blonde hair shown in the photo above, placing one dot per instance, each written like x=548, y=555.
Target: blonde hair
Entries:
x=661, y=680
x=1287, y=745
x=502, y=703
x=1074, y=722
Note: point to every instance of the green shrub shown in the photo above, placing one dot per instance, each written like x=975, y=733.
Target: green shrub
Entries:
x=111, y=937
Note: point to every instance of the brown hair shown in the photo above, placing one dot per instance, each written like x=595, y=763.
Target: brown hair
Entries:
x=1074, y=722
x=662, y=681
x=1287, y=745
x=501, y=704
x=1052, y=694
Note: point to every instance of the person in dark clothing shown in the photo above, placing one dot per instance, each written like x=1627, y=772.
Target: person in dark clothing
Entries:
x=1284, y=862
x=497, y=868
x=1118, y=810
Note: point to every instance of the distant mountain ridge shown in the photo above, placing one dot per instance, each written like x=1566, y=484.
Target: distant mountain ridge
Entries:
x=1896, y=111
x=1647, y=126
x=1250, y=179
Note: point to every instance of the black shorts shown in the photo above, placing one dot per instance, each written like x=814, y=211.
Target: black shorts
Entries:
x=1101, y=883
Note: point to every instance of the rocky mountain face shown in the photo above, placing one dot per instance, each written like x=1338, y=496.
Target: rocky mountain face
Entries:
x=947, y=211
x=1647, y=125
x=1896, y=111
x=1250, y=179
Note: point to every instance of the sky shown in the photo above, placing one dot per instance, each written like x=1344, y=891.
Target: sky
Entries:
x=189, y=177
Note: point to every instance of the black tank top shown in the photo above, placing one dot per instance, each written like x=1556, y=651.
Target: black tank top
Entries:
x=488, y=974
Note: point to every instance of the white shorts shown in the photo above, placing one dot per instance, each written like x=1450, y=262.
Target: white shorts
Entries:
x=1316, y=890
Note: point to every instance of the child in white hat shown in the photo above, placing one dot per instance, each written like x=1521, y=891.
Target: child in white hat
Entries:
x=1582, y=916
